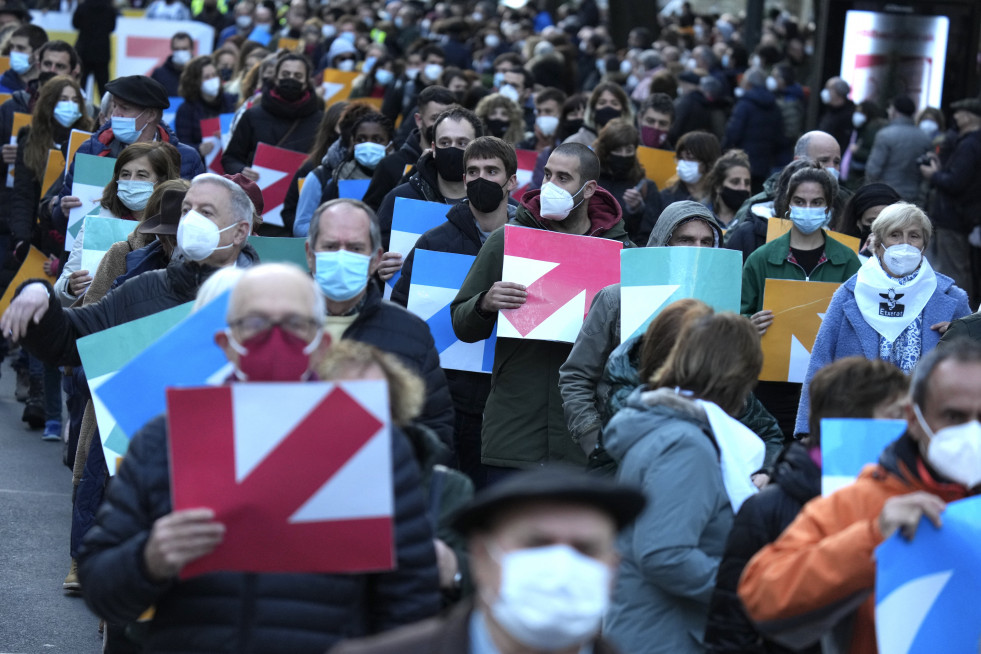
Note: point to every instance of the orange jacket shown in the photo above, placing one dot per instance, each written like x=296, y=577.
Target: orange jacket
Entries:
x=823, y=566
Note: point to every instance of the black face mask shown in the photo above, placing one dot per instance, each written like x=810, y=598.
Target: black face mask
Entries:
x=449, y=163
x=572, y=126
x=733, y=198
x=620, y=165
x=44, y=77
x=497, y=127
x=225, y=74
x=289, y=89
x=484, y=195
x=605, y=115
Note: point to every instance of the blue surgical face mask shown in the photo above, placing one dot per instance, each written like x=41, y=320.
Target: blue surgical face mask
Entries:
x=369, y=154
x=125, y=130
x=133, y=193
x=20, y=62
x=342, y=274
x=66, y=113
x=383, y=76
x=808, y=219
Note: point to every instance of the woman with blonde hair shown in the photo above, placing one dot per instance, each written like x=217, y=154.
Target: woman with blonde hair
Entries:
x=501, y=118
x=895, y=308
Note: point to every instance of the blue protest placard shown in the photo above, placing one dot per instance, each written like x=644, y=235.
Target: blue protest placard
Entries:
x=436, y=280
x=850, y=444
x=410, y=220
x=280, y=249
x=352, y=189
x=926, y=589
x=185, y=356
x=653, y=278
x=170, y=113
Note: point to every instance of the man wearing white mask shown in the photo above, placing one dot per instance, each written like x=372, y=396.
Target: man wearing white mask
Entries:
x=169, y=74
x=824, y=564
x=344, y=252
x=524, y=424
x=548, y=112
x=216, y=221
x=838, y=110
x=543, y=557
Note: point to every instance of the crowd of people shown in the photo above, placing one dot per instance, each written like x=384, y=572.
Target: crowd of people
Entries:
x=635, y=493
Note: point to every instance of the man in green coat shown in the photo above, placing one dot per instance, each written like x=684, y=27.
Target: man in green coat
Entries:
x=524, y=425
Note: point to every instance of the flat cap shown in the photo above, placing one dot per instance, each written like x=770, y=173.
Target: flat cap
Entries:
x=251, y=189
x=139, y=90
x=551, y=483
x=166, y=221
x=970, y=104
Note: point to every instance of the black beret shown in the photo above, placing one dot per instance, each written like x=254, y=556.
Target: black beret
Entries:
x=139, y=90
x=551, y=483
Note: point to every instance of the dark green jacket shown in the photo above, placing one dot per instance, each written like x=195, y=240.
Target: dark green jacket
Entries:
x=524, y=424
x=770, y=262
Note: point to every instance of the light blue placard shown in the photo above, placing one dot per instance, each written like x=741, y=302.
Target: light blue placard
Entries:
x=410, y=220
x=850, y=444
x=185, y=356
x=170, y=113
x=653, y=278
x=927, y=589
x=352, y=189
x=436, y=280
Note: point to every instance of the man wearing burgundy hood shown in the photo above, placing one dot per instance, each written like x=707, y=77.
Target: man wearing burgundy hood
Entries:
x=524, y=425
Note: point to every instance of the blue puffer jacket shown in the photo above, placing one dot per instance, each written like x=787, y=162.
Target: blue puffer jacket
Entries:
x=241, y=612
x=103, y=144
x=756, y=126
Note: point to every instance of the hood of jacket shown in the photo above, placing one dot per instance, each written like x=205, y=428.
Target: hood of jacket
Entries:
x=676, y=213
x=646, y=411
x=797, y=474
x=760, y=96
x=605, y=214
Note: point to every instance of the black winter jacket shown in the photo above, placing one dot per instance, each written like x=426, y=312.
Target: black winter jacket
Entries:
x=692, y=112
x=95, y=20
x=756, y=126
x=640, y=224
x=957, y=203
x=272, y=122
x=837, y=121
x=459, y=235
x=247, y=612
x=760, y=521
x=392, y=329
x=169, y=75
x=187, y=123
x=53, y=340
x=422, y=185
x=19, y=102
x=390, y=170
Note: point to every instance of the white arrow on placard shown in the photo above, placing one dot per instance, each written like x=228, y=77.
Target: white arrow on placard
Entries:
x=899, y=616
x=638, y=304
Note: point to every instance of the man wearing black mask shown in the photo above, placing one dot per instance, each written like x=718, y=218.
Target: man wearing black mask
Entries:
x=490, y=166
x=438, y=175
x=287, y=117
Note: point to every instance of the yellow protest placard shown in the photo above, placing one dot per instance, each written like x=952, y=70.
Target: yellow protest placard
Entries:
x=75, y=141
x=337, y=84
x=288, y=44
x=54, y=169
x=32, y=268
x=659, y=165
x=20, y=121
x=777, y=227
x=374, y=102
x=4, y=64
x=798, y=310
x=5, y=96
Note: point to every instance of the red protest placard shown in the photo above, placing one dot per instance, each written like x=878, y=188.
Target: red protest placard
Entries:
x=306, y=487
x=563, y=273
x=526, y=168
x=211, y=133
x=276, y=168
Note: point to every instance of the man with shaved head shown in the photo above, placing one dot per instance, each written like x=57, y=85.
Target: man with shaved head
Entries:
x=132, y=558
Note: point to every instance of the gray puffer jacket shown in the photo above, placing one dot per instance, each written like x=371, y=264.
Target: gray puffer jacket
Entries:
x=671, y=553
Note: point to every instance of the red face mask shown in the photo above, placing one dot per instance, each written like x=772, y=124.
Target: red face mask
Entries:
x=274, y=355
x=652, y=137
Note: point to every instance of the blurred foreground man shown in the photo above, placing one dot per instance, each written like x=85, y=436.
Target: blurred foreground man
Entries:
x=542, y=555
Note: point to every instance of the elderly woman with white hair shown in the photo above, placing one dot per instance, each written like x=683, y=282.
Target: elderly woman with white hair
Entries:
x=895, y=308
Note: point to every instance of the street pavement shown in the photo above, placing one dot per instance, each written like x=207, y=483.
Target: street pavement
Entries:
x=36, y=615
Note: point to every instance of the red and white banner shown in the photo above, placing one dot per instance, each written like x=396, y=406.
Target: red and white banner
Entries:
x=562, y=273
x=276, y=168
x=526, y=168
x=299, y=474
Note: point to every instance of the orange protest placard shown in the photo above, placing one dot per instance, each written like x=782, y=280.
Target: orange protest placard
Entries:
x=4, y=64
x=798, y=309
x=288, y=44
x=75, y=141
x=32, y=268
x=337, y=84
x=374, y=102
x=54, y=170
x=5, y=96
x=659, y=165
x=776, y=227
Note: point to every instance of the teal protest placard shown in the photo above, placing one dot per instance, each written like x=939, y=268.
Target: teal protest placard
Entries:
x=850, y=444
x=653, y=278
x=104, y=353
x=92, y=173
x=280, y=249
x=99, y=235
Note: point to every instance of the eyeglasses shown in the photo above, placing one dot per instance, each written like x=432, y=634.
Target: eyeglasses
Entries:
x=252, y=325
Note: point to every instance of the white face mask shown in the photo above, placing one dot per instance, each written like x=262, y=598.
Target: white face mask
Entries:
x=551, y=597
x=432, y=72
x=198, y=237
x=181, y=57
x=902, y=259
x=954, y=452
x=210, y=87
x=510, y=93
x=772, y=84
x=557, y=203
x=929, y=126
x=826, y=96
x=688, y=171
x=547, y=124
x=858, y=119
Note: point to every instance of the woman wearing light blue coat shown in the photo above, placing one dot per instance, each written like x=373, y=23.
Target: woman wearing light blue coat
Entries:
x=895, y=308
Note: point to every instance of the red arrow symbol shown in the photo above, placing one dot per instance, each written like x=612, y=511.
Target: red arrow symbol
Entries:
x=287, y=161
x=583, y=264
